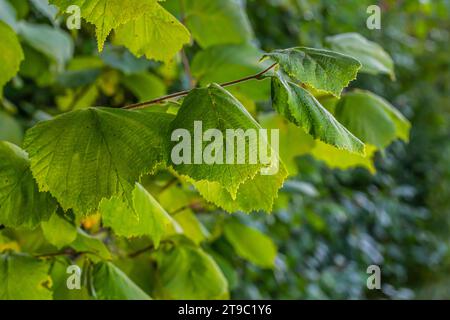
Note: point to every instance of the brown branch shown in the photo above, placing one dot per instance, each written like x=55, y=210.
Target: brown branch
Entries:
x=64, y=253
x=148, y=248
x=257, y=76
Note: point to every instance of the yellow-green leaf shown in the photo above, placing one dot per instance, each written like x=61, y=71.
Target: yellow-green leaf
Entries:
x=156, y=34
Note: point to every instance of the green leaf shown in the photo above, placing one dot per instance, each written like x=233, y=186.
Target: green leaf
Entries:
x=52, y=42
x=217, y=22
x=156, y=34
x=223, y=63
x=321, y=69
x=217, y=109
x=59, y=230
x=251, y=244
x=181, y=212
x=90, y=245
x=342, y=159
x=11, y=55
x=372, y=119
x=122, y=59
x=110, y=283
x=145, y=86
x=254, y=194
x=146, y=217
x=188, y=273
x=10, y=129
x=46, y=10
x=372, y=56
x=302, y=109
x=24, y=278
x=192, y=227
x=86, y=155
x=294, y=141
x=108, y=14
x=21, y=203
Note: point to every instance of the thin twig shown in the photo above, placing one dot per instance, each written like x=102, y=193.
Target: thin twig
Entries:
x=63, y=253
x=148, y=248
x=186, y=92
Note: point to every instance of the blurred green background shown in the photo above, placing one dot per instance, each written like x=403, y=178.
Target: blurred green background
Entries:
x=329, y=225
x=340, y=222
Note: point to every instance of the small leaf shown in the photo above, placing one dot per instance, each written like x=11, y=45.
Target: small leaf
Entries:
x=86, y=155
x=192, y=227
x=10, y=129
x=302, y=109
x=188, y=273
x=21, y=203
x=372, y=119
x=59, y=230
x=156, y=34
x=321, y=69
x=24, y=278
x=11, y=55
x=90, y=245
x=372, y=56
x=251, y=244
x=146, y=217
x=110, y=283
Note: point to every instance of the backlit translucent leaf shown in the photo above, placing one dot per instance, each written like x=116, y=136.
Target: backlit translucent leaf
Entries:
x=342, y=159
x=110, y=283
x=24, y=278
x=59, y=230
x=217, y=22
x=108, y=14
x=145, y=218
x=321, y=69
x=11, y=55
x=188, y=273
x=156, y=34
x=302, y=109
x=372, y=56
x=294, y=141
x=371, y=118
x=86, y=155
x=216, y=109
x=59, y=278
x=10, y=129
x=181, y=212
x=8, y=13
x=251, y=244
x=21, y=203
